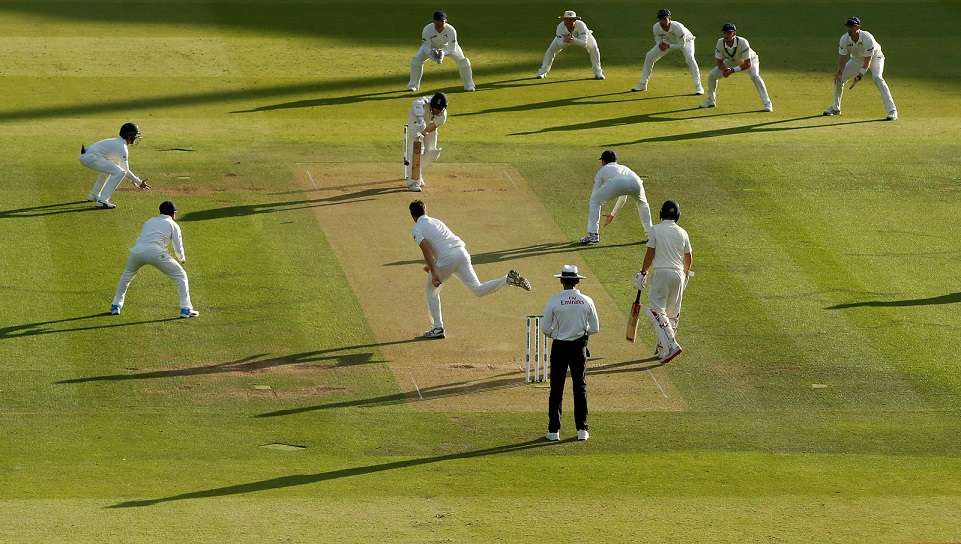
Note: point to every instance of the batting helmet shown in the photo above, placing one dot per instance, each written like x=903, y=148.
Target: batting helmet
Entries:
x=167, y=207
x=728, y=27
x=439, y=101
x=129, y=130
x=670, y=210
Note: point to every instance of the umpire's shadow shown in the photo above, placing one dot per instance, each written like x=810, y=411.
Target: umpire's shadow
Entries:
x=950, y=298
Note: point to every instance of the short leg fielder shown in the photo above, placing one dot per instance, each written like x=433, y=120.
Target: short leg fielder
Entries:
x=161, y=261
x=655, y=54
x=876, y=68
x=109, y=178
x=559, y=45
x=626, y=187
x=457, y=263
x=755, y=74
x=456, y=53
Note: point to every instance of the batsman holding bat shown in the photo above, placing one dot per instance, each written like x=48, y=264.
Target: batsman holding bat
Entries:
x=669, y=255
x=426, y=115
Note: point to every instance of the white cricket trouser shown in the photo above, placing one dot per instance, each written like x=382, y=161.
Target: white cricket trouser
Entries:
x=429, y=150
x=457, y=263
x=655, y=55
x=754, y=72
x=559, y=44
x=463, y=64
x=665, y=294
x=159, y=259
x=109, y=178
x=622, y=185
x=851, y=69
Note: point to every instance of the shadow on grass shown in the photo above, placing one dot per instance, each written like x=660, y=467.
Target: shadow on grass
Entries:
x=306, y=479
x=380, y=188
x=950, y=298
x=254, y=363
x=40, y=327
x=627, y=96
x=535, y=250
x=49, y=209
x=628, y=120
x=626, y=366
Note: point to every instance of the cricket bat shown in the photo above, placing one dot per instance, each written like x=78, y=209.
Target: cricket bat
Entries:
x=635, y=316
x=415, y=161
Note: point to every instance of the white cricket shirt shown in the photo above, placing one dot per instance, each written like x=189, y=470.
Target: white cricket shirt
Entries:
x=866, y=46
x=670, y=243
x=115, y=151
x=580, y=33
x=159, y=231
x=442, y=239
x=613, y=170
x=420, y=110
x=445, y=39
x=570, y=315
x=736, y=54
x=675, y=35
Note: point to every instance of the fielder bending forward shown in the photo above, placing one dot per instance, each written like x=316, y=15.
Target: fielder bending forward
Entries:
x=426, y=115
x=109, y=159
x=669, y=253
x=732, y=55
x=439, y=40
x=614, y=180
x=859, y=52
x=446, y=255
x=151, y=248
x=572, y=30
x=670, y=35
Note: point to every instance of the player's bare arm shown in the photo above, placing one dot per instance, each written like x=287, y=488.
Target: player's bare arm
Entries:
x=688, y=261
x=648, y=260
x=429, y=265
x=842, y=60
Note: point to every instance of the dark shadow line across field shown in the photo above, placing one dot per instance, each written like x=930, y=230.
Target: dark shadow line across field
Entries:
x=255, y=363
x=49, y=209
x=625, y=366
x=272, y=207
x=627, y=120
x=573, y=101
x=754, y=128
x=950, y=298
x=305, y=479
x=536, y=250
x=35, y=329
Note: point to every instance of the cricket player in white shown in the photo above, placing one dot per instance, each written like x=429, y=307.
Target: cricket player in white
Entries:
x=427, y=114
x=445, y=255
x=733, y=54
x=109, y=159
x=572, y=30
x=859, y=52
x=669, y=253
x=614, y=180
x=668, y=36
x=439, y=40
x=151, y=248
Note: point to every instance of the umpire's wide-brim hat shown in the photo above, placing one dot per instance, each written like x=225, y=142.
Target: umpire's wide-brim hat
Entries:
x=569, y=271
x=569, y=14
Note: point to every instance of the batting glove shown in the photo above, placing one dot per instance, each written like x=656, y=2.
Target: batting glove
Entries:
x=640, y=280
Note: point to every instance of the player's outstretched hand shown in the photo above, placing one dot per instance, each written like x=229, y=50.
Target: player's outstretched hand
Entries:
x=143, y=185
x=608, y=219
x=663, y=46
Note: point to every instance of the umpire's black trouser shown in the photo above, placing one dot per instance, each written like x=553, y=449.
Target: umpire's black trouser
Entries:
x=568, y=354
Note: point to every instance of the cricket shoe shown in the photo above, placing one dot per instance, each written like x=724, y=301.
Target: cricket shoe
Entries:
x=638, y=88
x=515, y=279
x=599, y=76
x=583, y=435
x=892, y=115
x=414, y=185
x=540, y=76
x=106, y=204
x=699, y=91
x=831, y=111
x=437, y=333
x=768, y=107
x=707, y=104
x=411, y=88
x=552, y=437
x=591, y=238
x=671, y=355
x=114, y=309
x=186, y=313
x=470, y=89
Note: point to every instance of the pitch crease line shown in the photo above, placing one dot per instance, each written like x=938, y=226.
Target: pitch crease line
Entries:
x=659, y=388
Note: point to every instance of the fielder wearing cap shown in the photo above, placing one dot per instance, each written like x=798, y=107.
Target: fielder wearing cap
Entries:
x=569, y=319
x=859, y=52
x=426, y=115
x=445, y=255
x=733, y=54
x=614, y=180
x=151, y=249
x=109, y=159
x=572, y=30
x=438, y=40
x=668, y=36
x=669, y=256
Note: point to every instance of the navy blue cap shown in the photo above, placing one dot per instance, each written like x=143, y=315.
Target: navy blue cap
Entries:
x=608, y=156
x=853, y=21
x=728, y=27
x=440, y=16
x=662, y=13
x=167, y=207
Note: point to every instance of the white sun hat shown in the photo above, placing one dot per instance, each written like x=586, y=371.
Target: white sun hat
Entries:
x=569, y=271
x=569, y=14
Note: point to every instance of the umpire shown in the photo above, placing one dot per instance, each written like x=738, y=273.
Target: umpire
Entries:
x=569, y=318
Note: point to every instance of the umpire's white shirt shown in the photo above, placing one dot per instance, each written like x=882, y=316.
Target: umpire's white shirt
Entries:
x=157, y=233
x=866, y=46
x=442, y=239
x=570, y=315
x=670, y=243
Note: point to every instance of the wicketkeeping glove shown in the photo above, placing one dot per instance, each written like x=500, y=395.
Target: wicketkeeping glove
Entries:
x=640, y=280
x=437, y=55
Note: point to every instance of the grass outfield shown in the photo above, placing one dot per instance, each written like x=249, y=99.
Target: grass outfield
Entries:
x=826, y=253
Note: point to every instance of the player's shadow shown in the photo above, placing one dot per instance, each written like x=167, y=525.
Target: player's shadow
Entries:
x=363, y=195
x=754, y=128
x=625, y=96
x=625, y=366
x=44, y=327
x=628, y=120
x=536, y=250
x=342, y=356
x=49, y=209
x=950, y=298
x=283, y=482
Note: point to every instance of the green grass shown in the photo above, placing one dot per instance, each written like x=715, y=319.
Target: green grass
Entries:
x=825, y=249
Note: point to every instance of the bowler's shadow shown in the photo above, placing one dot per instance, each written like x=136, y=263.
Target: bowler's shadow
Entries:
x=536, y=250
